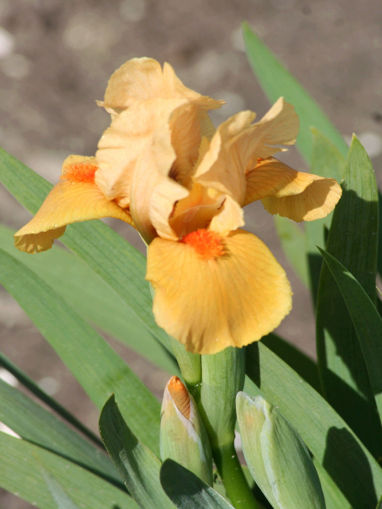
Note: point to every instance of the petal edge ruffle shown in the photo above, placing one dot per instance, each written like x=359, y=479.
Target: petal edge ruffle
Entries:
x=211, y=304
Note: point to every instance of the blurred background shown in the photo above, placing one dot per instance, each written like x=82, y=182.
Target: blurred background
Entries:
x=56, y=57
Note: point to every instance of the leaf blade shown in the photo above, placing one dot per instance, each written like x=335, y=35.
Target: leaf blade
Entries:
x=22, y=472
x=276, y=81
x=326, y=434
x=93, y=298
x=366, y=321
x=138, y=466
x=189, y=491
x=35, y=424
x=353, y=241
x=92, y=361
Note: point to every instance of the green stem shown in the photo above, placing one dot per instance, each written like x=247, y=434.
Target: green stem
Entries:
x=190, y=367
x=232, y=475
x=222, y=378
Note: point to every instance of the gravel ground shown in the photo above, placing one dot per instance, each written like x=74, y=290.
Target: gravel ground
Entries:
x=56, y=57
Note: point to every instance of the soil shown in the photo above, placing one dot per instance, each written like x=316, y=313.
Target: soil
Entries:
x=55, y=60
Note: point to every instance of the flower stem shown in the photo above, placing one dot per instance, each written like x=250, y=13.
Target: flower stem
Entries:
x=232, y=475
x=222, y=378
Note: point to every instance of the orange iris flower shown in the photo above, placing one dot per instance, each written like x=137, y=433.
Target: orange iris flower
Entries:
x=162, y=167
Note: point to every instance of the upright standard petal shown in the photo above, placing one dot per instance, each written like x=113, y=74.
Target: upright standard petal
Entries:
x=75, y=198
x=140, y=79
x=212, y=292
x=221, y=166
x=290, y=193
x=238, y=143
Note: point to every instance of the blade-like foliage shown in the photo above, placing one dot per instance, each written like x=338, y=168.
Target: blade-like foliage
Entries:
x=334, y=498
x=62, y=499
x=93, y=362
x=106, y=252
x=138, y=466
x=188, y=491
x=353, y=241
x=276, y=81
x=366, y=321
x=92, y=298
x=24, y=469
x=325, y=433
x=328, y=162
x=28, y=383
x=293, y=242
x=37, y=425
x=295, y=358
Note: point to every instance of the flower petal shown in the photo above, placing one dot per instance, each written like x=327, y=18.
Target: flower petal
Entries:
x=194, y=211
x=126, y=139
x=229, y=218
x=140, y=79
x=290, y=193
x=75, y=198
x=136, y=79
x=209, y=304
x=237, y=144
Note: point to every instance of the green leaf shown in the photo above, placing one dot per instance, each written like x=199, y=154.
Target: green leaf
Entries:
x=61, y=498
x=334, y=498
x=295, y=358
x=379, y=262
x=276, y=81
x=137, y=464
x=24, y=468
x=353, y=241
x=37, y=425
x=187, y=491
x=92, y=361
x=325, y=433
x=93, y=299
x=293, y=242
x=269, y=444
x=107, y=253
x=328, y=162
x=366, y=321
x=27, y=382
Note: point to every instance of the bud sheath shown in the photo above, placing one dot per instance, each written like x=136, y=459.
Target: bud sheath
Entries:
x=276, y=456
x=182, y=434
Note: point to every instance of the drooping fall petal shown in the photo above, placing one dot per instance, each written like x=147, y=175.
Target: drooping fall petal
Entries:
x=290, y=193
x=212, y=292
x=75, y=198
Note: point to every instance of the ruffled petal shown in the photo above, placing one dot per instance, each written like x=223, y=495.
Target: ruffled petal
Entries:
x=150, y=174
x=221, y=167
x=238, y=143
x=140, y=79
x=75, y=198
x=123, y=143
x=279, y=126
x=137, y=79
x=230, y=217
x=231, y=298
x=290, y=193
x=165, y=194
x=194, y=211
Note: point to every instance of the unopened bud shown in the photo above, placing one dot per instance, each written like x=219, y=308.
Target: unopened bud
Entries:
x=276, y=456
x=182, y=434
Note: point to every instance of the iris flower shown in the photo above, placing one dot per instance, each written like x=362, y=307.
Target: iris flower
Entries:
x=162, y=167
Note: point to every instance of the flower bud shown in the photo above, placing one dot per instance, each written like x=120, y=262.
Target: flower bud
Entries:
x=276, y=456
x=182, y=434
